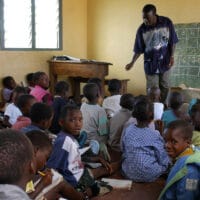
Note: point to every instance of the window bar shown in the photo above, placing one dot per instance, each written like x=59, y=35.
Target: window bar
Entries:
x=33, y=23
x=2, y=45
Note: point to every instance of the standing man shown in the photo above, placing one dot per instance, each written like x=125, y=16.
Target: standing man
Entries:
x=156, y=38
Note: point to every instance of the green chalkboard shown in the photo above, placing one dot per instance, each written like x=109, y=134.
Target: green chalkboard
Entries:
x=187, y=56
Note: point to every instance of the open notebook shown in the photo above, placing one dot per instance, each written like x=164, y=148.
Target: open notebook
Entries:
x=118, y=183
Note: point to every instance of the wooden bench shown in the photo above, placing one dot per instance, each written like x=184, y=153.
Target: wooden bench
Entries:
x=78, y=80
x=124, y=83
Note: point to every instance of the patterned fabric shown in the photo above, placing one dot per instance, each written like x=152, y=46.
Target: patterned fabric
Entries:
x=156, y=42
x=183, y=179
x=144, y=156
x=86, y=180
x=95, y=122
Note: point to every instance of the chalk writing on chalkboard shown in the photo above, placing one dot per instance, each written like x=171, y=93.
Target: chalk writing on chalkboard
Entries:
x=187, y=56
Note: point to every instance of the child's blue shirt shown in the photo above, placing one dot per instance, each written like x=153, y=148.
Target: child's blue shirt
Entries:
x=168, y=116
x=183, y=180
x=66, y=158
x=144, y=155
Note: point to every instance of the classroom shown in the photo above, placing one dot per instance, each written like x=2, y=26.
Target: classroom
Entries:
x=102, y=33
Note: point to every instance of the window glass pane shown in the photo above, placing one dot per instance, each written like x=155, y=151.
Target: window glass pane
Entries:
x=47, y=23
x=17, y=24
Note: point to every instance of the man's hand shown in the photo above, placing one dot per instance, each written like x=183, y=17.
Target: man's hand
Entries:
x=129, y=66
x=171, y=62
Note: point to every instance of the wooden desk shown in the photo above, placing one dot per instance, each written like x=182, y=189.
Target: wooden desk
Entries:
x=75, y=69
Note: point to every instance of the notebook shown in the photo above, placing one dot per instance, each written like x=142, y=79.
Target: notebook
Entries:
x=118, y=183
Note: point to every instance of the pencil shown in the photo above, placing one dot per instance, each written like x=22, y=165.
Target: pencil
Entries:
x=41, y=173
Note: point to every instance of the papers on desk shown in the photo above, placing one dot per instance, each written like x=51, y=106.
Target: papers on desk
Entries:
x=65, y=57
x=118, y=183
x=74, y=59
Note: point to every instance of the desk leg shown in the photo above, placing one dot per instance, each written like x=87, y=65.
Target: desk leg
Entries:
x=103, y=87
x=124, y=86
x=75, y=88
x=53, y=81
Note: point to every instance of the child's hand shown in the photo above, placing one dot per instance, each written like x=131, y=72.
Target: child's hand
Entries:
x=159, y=125
x=106, y=165
x=47, y=178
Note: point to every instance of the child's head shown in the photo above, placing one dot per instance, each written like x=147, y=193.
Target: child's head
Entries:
x=17, y=92
x=62, y=89
x=98, y=81
x=154, y=94
x=178, y=137
x=41, y=115
x=127, y=101
x=91, y=92
x=114, y=86
x=30, y=80
x=143, y=110
x=41, y=79
x=42, y=146
x=175, y=100
x=24, y=103
x=195, y=116
x=71, y=120
x=9, y=82
x=17, y=164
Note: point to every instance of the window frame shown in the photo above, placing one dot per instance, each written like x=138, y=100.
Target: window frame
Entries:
x=33, y=48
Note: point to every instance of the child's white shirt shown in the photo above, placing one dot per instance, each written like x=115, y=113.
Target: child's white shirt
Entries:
x=13, y=112
x=112, y=103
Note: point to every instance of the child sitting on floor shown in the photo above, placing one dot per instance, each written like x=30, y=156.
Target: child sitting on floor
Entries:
x=30, y=82
x=144, y=156
x=174, y=112
x=183, y=179
x=154, y=96
x=59, y=101
x=66, y=157
x=12, y=112
x=99, y=84
x=40, y=92
x=41, y=116
x=48, y=184
x=24, y=103
x=195, y=116
x=95, y=122
x=17, y=165
x=112, y=104
x=9, y=84
x=133, y=120
x=118, y=121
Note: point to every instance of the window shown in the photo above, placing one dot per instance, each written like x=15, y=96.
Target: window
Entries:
x=30, y=24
